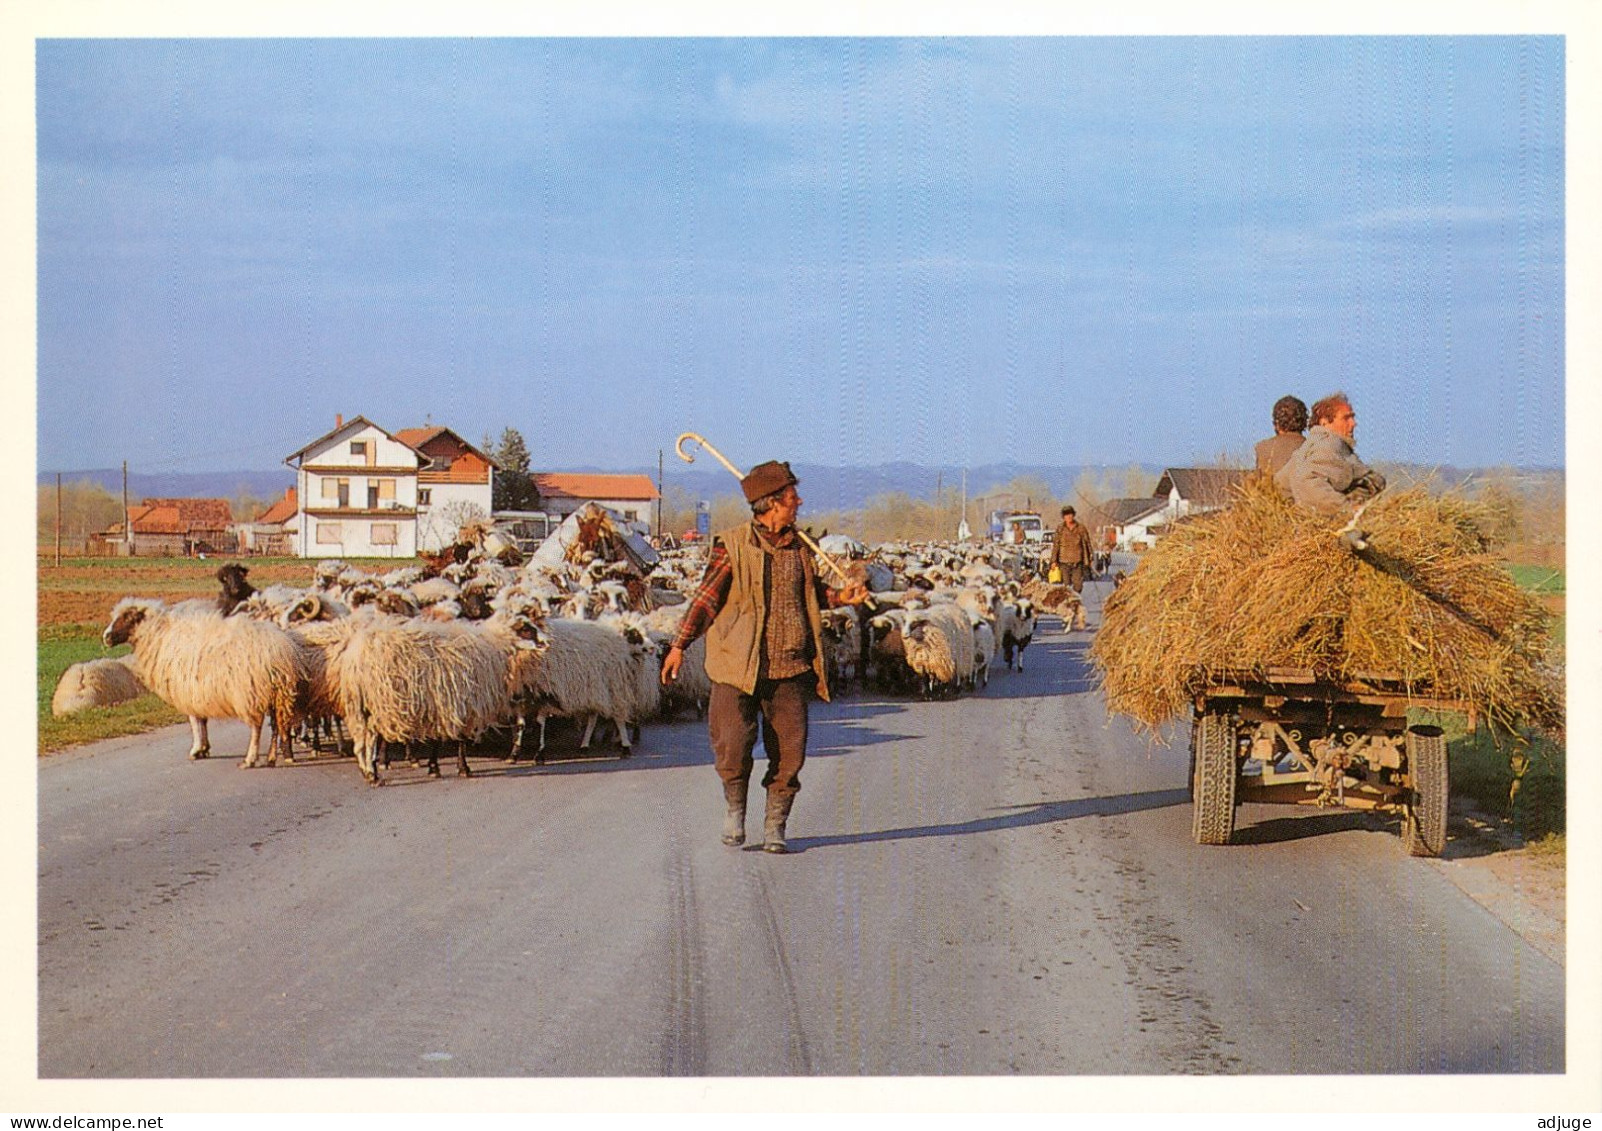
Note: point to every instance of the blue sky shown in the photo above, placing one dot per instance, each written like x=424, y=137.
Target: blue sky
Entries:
x=1057, y=250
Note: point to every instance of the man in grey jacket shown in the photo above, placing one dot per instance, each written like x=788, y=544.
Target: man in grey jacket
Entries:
x=1324, y=474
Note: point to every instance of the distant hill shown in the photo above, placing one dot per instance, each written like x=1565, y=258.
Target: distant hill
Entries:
x=823, y=488
x=181, y=485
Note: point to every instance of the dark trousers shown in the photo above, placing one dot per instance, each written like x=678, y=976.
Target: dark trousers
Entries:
x=732, y=722
x=1074, y=575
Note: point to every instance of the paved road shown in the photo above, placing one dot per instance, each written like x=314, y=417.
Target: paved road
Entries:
x=999, y=884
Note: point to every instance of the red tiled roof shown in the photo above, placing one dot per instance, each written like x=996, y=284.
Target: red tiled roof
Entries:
x=178, y=516
x=581, y=485
x=468, y=468
x=417, y=437
x=281, y=511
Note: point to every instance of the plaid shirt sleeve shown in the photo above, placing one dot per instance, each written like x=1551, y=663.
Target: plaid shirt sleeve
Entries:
x=708, y=598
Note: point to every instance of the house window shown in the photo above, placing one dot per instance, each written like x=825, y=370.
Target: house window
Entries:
x=631, y=516
x=343, y=492
x=364, y=451
x=424, y=496
x=330, y=488
x=386, y=533
x=328, y=533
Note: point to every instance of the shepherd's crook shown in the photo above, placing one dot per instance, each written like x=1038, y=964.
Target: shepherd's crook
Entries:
x=839, y=570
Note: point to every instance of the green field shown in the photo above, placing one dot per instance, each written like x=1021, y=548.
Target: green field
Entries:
x=1540, y=580
x=61, y=646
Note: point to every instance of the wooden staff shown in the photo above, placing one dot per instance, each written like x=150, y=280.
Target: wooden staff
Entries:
x=839, y=570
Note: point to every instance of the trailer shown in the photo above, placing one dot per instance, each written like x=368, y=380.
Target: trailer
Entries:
x=1287, y=736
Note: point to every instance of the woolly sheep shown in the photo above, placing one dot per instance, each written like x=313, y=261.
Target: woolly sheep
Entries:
x=408, y=681
x=939, y=644
x=210, y=666
x=96, y=683
x=592, y=669
x=693, y=687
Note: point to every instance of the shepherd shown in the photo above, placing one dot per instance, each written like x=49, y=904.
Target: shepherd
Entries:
x=760, y=605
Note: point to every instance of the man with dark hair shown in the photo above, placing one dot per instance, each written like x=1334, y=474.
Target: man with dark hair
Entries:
x=1070, y=551
x=760, y=605
x=1324, y=474
x=1290, y=421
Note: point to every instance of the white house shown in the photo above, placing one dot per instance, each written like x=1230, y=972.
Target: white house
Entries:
x=357, y=490
x=1196, y=490
x=456, y=486
x=1133, y=522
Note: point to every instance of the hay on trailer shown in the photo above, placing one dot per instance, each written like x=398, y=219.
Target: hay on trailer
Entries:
x=1266, y=584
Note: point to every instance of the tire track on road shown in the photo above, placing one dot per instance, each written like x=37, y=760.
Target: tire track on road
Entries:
x=684, y=1040
x=797, y=1053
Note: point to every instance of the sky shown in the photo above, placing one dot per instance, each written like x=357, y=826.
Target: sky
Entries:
x=957, y=251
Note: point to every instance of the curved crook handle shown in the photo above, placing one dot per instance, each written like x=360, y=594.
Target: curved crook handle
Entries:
x=717, y=455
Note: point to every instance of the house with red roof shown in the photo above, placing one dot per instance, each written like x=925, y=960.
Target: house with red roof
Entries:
x=174, y=528
x=272, y=531
x=356, y=489
x=632, y=496
x=455, y=486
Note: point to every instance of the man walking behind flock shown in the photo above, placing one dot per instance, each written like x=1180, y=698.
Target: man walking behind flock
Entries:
x=1070, y=551
x=759, y=604
x=1324, y=474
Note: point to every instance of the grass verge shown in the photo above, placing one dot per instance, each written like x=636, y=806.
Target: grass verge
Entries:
x=63, y=645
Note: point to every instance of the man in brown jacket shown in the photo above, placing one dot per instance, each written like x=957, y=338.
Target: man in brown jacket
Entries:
x=1290, y=421
x=760, y=604
x=1070, y=550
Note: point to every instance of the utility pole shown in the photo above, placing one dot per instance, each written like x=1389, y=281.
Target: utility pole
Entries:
x=127, y=526
x=58, y=520
x=659, y=492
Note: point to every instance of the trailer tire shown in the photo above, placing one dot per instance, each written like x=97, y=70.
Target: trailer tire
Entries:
x=1424, y=815
x=1213, y=780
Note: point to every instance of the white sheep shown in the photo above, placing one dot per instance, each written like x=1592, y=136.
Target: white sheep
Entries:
x=592, y=670
x=409, y=681
x=693, y=687
x=939, y=645
x=984, y=649
x=96, y=683
x=212, y=667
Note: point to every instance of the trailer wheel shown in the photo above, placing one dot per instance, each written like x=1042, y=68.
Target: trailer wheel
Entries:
x=1213, y=780
x=1424, y=816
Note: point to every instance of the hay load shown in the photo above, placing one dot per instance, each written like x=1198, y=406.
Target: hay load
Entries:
x=1265, y=584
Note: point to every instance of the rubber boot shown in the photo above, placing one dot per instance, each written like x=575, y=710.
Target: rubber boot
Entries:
x=773, y=825
x=734, y=820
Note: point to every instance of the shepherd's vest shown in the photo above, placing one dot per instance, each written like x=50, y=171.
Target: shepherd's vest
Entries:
x=734, y=642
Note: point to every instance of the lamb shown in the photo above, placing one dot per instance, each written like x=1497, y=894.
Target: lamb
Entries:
x=592, y=669
x=96, y=683
x=405, y=681
x=210, y=666
x=984, y=649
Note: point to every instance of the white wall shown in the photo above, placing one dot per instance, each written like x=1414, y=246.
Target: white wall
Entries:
x=439, y=521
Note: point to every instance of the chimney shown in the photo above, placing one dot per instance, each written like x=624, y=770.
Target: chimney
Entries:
x=339, y=420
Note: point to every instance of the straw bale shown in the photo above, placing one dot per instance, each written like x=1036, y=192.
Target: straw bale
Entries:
x=1267, y=584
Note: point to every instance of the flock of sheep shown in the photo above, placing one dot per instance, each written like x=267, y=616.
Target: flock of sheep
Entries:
x=481, y=642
